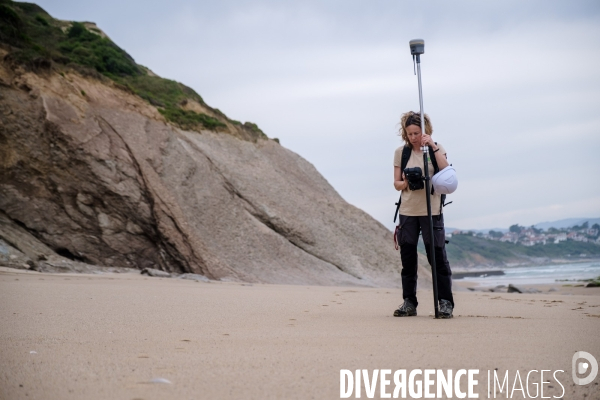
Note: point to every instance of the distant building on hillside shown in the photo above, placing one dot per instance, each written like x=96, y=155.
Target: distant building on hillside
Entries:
x=531, y=236
x=576, y=237
x=533, y=240
x=510, y=237
x=528, y=232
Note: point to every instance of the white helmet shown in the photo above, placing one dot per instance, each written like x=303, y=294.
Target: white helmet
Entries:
x=445, y=181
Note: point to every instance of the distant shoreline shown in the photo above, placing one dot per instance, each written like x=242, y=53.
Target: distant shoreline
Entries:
x=556, y=261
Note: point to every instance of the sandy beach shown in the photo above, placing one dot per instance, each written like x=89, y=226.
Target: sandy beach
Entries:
x=124, y=336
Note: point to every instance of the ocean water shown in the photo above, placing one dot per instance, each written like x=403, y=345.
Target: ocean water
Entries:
x=543, y=274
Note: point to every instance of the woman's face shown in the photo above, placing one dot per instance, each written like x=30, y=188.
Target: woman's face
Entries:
x=414, y=135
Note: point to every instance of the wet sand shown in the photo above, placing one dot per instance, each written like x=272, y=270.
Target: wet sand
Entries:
x=77, y=336
x=561, y=288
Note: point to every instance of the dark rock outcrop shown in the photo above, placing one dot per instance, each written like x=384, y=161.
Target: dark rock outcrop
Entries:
x=513, y=289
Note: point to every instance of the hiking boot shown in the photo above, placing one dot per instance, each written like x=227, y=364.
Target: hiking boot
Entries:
x=445, y=309
x=407, y=309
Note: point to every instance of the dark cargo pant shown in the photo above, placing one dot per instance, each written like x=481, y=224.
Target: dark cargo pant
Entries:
x=408, y=238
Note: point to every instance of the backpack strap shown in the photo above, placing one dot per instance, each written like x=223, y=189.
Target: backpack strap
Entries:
x=406, y=151
x=436, y=169
x=442, y=201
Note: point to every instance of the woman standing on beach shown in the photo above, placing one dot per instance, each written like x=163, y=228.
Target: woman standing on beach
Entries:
x=413, y=217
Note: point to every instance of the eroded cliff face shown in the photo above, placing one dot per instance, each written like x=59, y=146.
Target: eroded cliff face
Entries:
x=96, y=175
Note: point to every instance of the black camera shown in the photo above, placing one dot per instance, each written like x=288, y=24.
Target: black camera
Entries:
x=415, y=178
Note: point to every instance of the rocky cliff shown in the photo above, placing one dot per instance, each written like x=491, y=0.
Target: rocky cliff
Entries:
x=92, y=174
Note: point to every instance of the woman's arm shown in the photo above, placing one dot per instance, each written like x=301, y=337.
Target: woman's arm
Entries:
x=399, y=182
x=441, y=158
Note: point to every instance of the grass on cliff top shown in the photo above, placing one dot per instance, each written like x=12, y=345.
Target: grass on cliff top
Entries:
x=36, y=35
x=168, y=96
x=37, y=41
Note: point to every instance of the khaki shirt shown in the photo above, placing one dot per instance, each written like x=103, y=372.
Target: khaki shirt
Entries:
x=414, y=203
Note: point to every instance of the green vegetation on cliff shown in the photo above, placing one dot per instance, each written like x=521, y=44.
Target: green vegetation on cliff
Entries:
x=36, y=37
x=83, y=47
x=37, y=41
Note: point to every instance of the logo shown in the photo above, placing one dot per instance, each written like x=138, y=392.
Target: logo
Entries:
x=580, y=367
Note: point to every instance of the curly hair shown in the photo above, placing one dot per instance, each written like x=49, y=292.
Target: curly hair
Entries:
x=413, y=118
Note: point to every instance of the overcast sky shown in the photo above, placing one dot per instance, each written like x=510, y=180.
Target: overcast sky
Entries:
x=512, y=88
